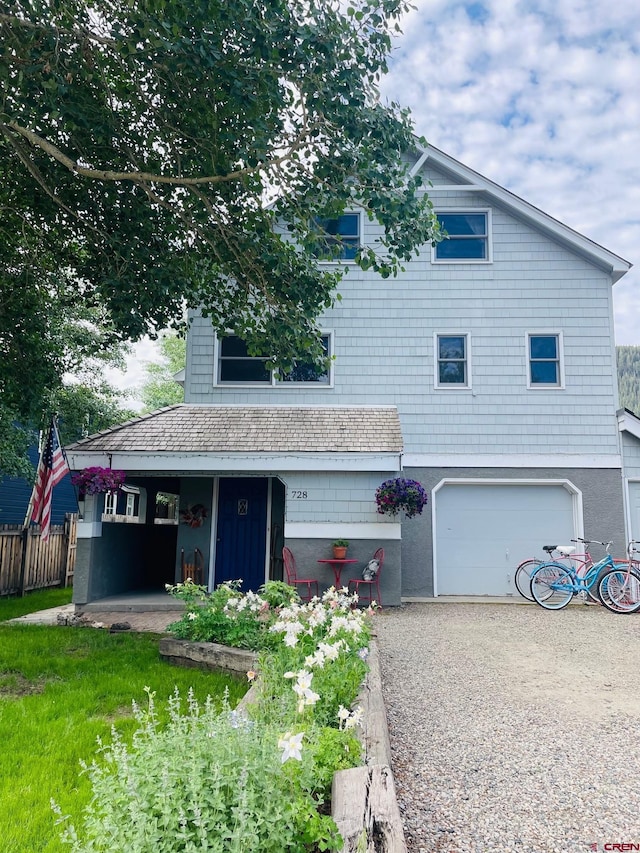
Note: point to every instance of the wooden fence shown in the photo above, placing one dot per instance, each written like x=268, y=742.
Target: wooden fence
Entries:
x=27, y=563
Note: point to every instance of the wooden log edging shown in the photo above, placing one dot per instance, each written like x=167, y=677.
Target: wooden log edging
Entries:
x=207, y=656
x=363, y=800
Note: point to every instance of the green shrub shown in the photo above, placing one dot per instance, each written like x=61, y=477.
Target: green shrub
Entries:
x=227, y=616
x=207, y=781
x=230, y=782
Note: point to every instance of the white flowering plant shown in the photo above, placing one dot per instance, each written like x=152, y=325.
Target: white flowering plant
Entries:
x=235, y=780
x=227, y=615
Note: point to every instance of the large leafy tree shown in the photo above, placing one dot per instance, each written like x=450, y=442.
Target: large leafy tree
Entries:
x=160, y=388
x=87, y=406
x=156, y=152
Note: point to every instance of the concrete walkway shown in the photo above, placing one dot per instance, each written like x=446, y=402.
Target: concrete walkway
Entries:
x=155, y=621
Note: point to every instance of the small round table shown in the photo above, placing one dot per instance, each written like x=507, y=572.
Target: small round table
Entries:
x=337, y=566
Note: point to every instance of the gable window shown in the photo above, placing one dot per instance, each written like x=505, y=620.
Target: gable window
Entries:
x=544, y=353
x=452, y=361
x=467, y=237
x=237, y=367
x=339, y=238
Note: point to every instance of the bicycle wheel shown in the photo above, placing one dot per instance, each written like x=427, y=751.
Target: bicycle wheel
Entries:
x=619, y=590
x=522, y=577
x=552, y=586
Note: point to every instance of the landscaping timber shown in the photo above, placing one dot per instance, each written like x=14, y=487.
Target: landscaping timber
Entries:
x=207, y=656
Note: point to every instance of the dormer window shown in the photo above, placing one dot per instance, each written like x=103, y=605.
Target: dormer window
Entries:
x=339, y=238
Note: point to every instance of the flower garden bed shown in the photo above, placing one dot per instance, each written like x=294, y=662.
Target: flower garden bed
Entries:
x=265, y=775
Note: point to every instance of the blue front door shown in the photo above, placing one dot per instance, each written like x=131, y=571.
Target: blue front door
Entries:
x=241, y=534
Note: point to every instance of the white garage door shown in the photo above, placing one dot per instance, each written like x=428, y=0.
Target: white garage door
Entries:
x=484, y=531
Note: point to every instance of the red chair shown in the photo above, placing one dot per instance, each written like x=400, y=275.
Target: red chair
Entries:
x=375, y=582
x=292, y=575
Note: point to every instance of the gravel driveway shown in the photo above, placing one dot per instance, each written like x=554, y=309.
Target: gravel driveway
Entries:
x=512, y=728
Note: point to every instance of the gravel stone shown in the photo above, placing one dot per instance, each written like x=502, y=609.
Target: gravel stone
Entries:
x=513, y=728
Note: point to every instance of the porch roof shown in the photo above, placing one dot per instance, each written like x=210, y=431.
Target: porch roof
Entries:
x=190, y=432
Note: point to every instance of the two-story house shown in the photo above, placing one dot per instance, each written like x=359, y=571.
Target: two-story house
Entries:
x=486, y=371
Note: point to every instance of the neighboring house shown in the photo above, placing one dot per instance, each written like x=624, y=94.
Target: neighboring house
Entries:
x=629, y=425
x=15, y=493
x=486, y=371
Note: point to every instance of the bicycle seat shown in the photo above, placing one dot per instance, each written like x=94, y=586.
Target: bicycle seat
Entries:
x=566, y=550
x=549, y=548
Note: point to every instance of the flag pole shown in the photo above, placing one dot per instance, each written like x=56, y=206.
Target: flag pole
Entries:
x=27, y=517
x=25, y=527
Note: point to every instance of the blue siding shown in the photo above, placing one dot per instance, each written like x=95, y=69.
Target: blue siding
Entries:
x=383, y=332
x=15, y=493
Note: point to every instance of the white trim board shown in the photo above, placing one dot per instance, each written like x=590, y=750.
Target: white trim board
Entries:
x=510, y=460
x=335, y=530
x=187, y=464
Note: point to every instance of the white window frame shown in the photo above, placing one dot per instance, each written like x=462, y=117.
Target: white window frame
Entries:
x=111, y=503
x=282, y=383
x=130, y=505
x=274, y=381
x=350, y=261
x=543, y=386
x=471, y=210
x=451, y=386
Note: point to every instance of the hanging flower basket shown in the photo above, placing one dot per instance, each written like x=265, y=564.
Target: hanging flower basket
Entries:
x=93, y=481
x=194, y=516
x=400, y=495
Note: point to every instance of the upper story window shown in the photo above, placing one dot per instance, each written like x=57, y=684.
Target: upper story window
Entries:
x=468, y=239
x=303, y=372
x=452, y=361
x=339, y=238
x=237, y=367
x=544, y=353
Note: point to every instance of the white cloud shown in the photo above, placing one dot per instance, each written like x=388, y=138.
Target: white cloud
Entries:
x=543, y=98
x=133, y=376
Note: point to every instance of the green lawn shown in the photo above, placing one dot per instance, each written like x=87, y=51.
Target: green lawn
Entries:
x=60, y=689
x=13, y=606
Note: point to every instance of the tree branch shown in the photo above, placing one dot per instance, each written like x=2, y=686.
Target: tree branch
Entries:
x=144, y=177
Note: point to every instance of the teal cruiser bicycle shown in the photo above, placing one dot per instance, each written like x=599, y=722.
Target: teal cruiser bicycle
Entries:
x=553, y=584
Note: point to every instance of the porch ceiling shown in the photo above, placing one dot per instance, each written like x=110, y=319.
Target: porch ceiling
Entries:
x=226, y=431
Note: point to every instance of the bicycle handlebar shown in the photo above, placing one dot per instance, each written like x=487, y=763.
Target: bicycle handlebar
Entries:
x=605, y=545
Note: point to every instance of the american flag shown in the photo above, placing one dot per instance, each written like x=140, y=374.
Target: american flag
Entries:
x=52, y=468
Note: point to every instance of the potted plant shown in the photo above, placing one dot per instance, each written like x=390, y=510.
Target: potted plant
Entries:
x=401, y=495
x=340, y=549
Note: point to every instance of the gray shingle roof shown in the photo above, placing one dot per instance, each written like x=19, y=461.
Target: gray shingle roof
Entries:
x=254, y=429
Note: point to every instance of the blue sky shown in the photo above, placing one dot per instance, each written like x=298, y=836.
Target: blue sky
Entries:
x=541, y=97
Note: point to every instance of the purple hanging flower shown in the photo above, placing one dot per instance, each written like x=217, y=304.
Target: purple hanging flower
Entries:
x=401, y=495
x=93, y=481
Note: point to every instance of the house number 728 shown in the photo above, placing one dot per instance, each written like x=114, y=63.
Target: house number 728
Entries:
x=298, y=495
